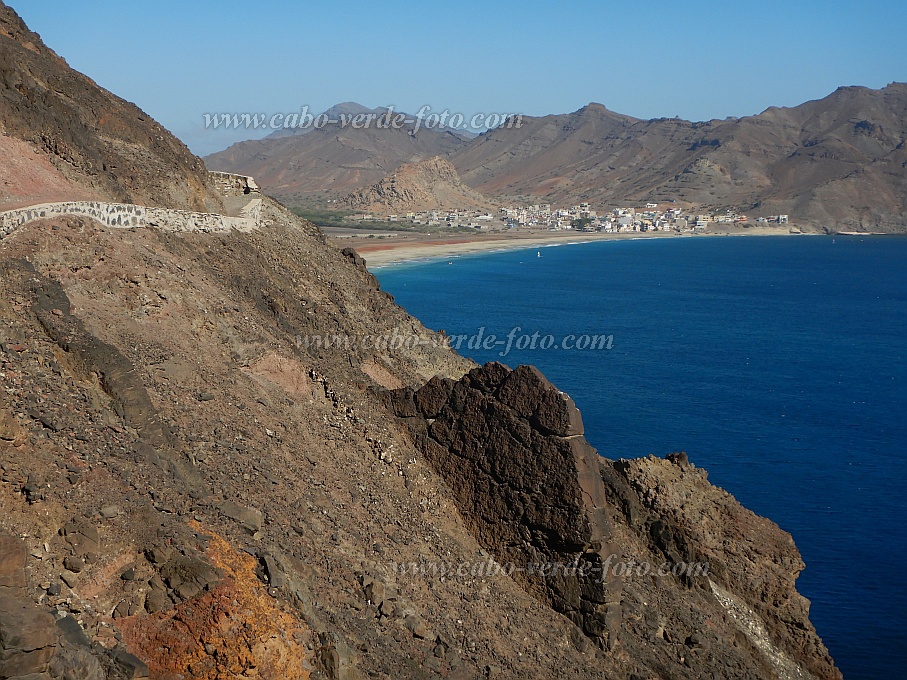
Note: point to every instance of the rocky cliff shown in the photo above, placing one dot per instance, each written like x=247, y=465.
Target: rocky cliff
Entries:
x=655, y=566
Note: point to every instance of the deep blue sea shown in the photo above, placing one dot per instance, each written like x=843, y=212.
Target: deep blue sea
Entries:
x=776, y=363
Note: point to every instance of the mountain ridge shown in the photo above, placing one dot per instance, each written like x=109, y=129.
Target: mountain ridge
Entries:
x=838, y=162
x=815, y=161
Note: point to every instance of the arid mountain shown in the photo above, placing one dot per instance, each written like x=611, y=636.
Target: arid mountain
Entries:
x=87, y=142
x=333, y=113
x=839, y=162
x=231, y=455
x=347, y=111
x=432, y=184
x=333, y=159
x=210, y=490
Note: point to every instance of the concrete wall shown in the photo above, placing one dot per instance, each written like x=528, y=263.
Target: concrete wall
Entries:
x=127, y=216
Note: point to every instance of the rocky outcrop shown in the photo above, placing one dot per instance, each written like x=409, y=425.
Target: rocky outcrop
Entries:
x=90, y=355
x=648, y=559
x=432, y=184
x=753, y=564
x=510, y=446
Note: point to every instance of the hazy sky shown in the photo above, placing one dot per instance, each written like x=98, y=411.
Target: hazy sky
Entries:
x=179, y=59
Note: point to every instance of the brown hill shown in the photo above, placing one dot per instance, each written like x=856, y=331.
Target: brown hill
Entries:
x=839, y=162
x=87, y=141
x=228, y=455
x=432, y=184
x=331, y=159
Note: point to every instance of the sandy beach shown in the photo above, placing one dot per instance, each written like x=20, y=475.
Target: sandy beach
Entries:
x=396, y=249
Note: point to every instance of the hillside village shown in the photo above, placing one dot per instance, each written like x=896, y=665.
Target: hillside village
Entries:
x=581, y=217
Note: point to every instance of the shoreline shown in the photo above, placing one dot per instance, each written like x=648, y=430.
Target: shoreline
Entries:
x=410, y=250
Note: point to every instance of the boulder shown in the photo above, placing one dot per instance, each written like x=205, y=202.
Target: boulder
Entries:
x=250, y=518
x=28, y=637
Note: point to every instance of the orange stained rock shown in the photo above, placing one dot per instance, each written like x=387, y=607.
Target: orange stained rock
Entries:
x=236, y=630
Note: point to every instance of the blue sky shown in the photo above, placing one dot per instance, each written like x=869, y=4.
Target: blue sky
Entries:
x=698, y=59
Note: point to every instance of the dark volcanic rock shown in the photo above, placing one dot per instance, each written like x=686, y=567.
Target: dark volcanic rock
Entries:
x=510, y=446
x=549, y=410
x=27, y=638
x=32, y=645
x=430, y=399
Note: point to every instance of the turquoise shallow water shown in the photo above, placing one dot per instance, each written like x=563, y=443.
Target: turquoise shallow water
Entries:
x=777, y=363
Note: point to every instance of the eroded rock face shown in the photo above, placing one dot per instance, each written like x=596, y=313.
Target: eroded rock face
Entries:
x=753, y=563
x=510, y=446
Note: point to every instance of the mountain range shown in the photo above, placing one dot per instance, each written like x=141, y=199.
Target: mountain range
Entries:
x=838, y=163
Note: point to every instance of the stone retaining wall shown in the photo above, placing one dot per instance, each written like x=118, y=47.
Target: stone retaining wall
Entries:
x=128, y=216
x=234, y=185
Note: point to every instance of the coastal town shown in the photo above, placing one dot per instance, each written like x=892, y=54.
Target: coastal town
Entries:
x=648, y=218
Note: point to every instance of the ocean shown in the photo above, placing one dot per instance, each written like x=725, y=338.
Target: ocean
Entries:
x=776, y=363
